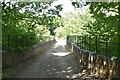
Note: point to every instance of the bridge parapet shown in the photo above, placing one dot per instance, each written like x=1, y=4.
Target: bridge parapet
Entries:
x=11, y=61
x=97, y=64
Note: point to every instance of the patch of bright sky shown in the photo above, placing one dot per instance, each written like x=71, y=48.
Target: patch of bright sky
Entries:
x=66, y=4
x=68, y=7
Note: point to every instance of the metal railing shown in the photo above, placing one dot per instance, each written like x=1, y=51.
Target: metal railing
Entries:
x=101, y=44
x=20, y=42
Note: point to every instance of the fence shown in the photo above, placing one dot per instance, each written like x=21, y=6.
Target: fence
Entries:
x=101, y=44
x=21, y=42
x=97, y=65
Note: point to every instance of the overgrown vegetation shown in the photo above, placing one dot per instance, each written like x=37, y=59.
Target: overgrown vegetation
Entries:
x=103, y=30
x=25, y=24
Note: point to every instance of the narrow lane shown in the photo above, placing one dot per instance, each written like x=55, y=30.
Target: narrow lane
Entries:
x=54, y=63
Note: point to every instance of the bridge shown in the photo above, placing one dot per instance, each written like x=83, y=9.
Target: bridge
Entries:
x=91, y=49
x=59, y=59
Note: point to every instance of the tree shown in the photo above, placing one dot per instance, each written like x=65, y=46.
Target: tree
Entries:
x=21, y=21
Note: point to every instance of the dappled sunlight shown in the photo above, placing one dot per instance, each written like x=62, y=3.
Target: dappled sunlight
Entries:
x=83, y=75
x=69, y=67
x=59, y=48
x=60, y=54
x=66, y=72
x=60, y=39
x=75, y=75
x=69, y=71
x=53, y=69
x=61, y=42
x=63, y=71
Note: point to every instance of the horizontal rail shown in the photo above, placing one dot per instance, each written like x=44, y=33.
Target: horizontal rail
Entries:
x=100, y=44
x=21, y=42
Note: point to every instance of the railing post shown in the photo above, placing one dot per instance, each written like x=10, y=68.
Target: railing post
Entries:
x=74, y=39
x=23, y=41
x=8, y=42
x=96, y=43
x=89, y=41
x=16, y=41
x=67, y=38
x=77, y=40
x=27, y=41
x=118, y=42
x=85, y=42
x=106, y=45
x=71, y=38
x=82, y=41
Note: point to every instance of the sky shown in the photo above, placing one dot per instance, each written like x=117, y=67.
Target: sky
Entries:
x=67, y=6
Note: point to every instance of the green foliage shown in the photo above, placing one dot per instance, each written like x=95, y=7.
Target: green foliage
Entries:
x=73, y=24
x=106, y=16
x=60, y=32
x=25, y=23
x=106, y=23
